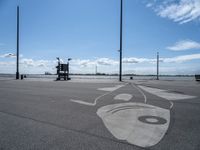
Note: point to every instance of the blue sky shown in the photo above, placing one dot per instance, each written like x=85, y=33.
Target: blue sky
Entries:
x=88, y=32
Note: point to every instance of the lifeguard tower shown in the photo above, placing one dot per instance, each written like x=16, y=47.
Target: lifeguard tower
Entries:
x=63, y=70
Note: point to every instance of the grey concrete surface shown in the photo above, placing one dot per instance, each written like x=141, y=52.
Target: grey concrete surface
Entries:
x=40, y=114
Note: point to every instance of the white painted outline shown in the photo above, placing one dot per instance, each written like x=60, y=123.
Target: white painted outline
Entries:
x=96, y=99
x=145, y=98
x=109, y=89
x=124, y=124
x=163, y=94
x=151, y=120
x=123, y=97
x=171, y=105
x=137, y=138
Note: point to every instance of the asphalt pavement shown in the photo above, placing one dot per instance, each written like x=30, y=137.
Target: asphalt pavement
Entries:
x=99, y=115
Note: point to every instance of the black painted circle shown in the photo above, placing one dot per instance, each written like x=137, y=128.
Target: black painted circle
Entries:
x=159, y=120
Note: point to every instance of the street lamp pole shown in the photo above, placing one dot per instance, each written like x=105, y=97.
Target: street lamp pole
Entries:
x=68, y=68
x=17, y=69
x=157, y=65
x=120, y=51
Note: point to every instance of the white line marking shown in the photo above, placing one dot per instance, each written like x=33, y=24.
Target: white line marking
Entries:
x=165, y=94
x=145, y=98
x=82, y=102
x=171, y=104
x=110, y=89
x=151, y=120
x=139, y=124
x=124, y=97
x=96, y=99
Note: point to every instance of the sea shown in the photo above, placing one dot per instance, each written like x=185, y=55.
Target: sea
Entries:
x=141, y=77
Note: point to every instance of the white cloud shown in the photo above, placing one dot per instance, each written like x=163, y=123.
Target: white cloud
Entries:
x=10, y=63
x=35, y=63
x=138, y=60
x=180, y=59
x=105, y=65
x=98, y=61
x=133, y=60
x=184, y=45
x=149, y=5
x=181, y=11
x=82, y=63
x=106, y=61
x=8, y=55
x=130, y=60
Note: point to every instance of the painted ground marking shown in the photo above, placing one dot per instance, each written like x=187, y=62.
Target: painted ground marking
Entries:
x=110, y=89
x=165, y=94
x=124, y=97
x=139, y=124
x=96, y=99
x=145, y=98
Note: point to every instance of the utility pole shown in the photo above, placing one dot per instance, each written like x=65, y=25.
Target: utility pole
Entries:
x=157, y=65
x=17, y=69
x=120, y=51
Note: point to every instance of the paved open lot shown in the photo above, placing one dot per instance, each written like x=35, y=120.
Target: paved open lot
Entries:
x=99, y=115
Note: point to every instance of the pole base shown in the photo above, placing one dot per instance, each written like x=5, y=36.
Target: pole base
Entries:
x=17, y=75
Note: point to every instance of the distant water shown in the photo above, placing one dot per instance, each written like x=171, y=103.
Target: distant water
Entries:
x=104, y=77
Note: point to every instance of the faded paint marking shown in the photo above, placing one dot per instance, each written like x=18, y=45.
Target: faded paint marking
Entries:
x=165, y=94
x=96, y=99
x=124, y=97
x=143, y=125
x=110, y=89
x=145, y=98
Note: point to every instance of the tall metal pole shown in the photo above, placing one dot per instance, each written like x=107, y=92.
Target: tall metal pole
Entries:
x=120, y=51
x=157, y=65
x=68, y=69
x=17, y=69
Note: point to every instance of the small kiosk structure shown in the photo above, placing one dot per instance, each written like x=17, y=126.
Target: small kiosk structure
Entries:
x=62, y=70
x=197, y=77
